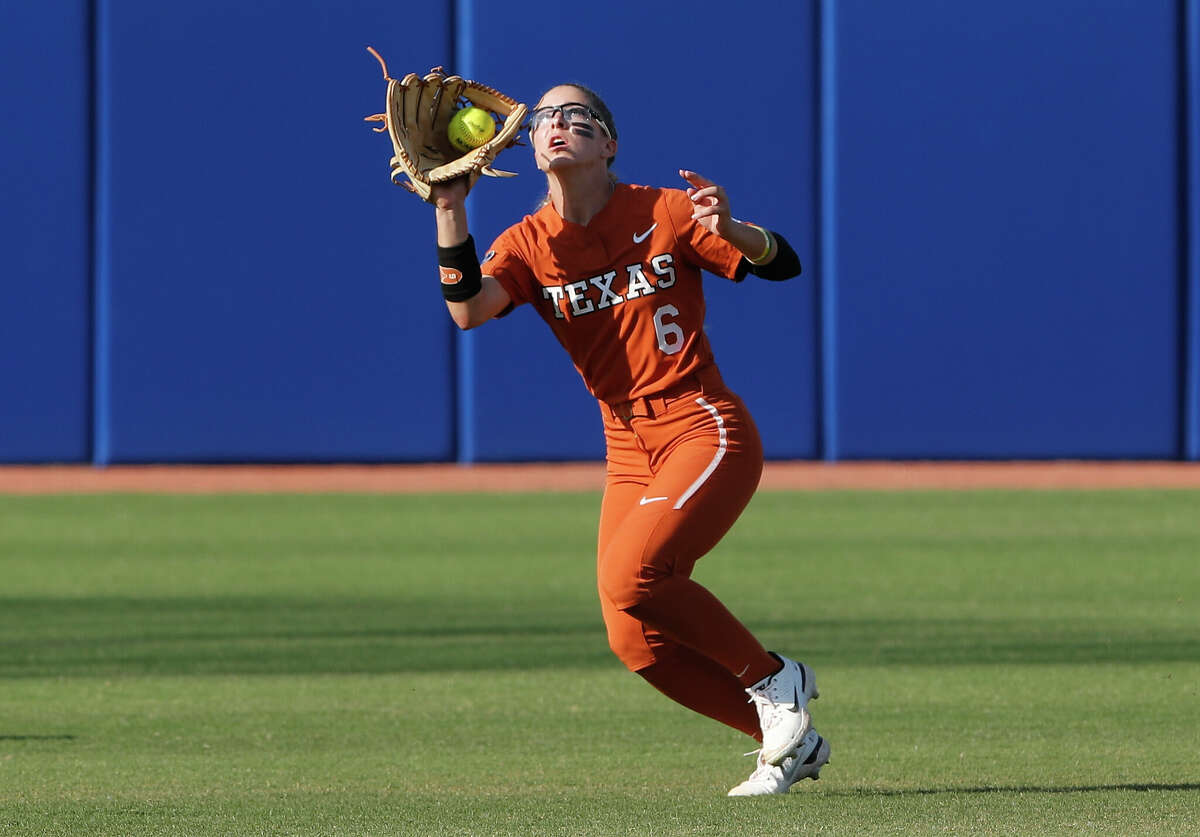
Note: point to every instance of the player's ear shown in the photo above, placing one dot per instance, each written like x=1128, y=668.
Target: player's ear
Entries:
x=610, y=149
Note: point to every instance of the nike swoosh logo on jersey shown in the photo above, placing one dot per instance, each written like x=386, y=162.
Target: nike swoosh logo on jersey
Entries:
x=638, y=239
x=646, y=500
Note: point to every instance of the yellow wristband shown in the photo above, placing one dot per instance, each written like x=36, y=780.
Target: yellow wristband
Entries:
x=767, y=250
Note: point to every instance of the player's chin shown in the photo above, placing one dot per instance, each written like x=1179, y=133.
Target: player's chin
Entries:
x=552, y=162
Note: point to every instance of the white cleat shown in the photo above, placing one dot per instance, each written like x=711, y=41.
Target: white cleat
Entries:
x=812, y=755
x=782, y=704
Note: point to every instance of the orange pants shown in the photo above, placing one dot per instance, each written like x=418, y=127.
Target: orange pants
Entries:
x=681, y=468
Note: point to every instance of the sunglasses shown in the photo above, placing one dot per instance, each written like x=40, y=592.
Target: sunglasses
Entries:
x=575, y=114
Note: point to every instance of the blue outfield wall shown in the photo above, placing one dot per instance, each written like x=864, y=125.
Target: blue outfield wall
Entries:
x=1191, y=198
x=996, y=205
x=45, y=232
x=530, y=403
x=1007, y=185
x=264, y=282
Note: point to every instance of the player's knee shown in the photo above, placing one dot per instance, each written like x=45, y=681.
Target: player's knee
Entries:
x=630, y=650
x=626, y=593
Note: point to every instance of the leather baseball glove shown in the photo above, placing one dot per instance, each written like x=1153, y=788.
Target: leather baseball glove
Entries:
x=417, y=116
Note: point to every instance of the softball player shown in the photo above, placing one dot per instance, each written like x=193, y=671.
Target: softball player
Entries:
x=615, y=271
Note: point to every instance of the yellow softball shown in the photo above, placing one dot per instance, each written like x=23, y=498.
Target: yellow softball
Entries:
x=470, y=128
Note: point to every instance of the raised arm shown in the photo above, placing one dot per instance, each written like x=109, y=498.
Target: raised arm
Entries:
x=471, y=298
x=769, y=254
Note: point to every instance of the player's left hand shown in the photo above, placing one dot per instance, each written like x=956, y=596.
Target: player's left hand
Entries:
x=711, y=203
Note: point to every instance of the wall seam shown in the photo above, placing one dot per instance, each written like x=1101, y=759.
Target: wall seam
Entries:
x=89, y=336
x=1191, y=237
x=827, y=211
x=101, y=235
x=462, y=50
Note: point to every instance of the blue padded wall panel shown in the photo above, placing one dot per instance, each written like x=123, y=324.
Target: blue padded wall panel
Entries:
x=1006, y=192
x=255, y=312
x=1006, y=228
x=530, y=402
x=45, y=193
x=1191, y=134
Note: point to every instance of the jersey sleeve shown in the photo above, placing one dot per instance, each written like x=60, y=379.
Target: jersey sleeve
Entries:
x=506, y=262
x=703, y=249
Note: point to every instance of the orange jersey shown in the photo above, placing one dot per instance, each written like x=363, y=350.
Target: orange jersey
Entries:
x=622, y=294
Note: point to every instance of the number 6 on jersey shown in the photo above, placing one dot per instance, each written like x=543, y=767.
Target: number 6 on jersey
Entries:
x=670, y=335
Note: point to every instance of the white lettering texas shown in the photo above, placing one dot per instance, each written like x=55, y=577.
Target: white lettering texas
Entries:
x=596, y=293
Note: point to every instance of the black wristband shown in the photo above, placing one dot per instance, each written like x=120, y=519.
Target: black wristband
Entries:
x=785, y=265
x=459, y=267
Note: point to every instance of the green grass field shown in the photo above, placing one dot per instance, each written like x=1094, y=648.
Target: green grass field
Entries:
x=990, y=663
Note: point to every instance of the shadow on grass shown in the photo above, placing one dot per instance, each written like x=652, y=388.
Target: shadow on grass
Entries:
x=99, y=636
x=1137, y=787
x=4, y=737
